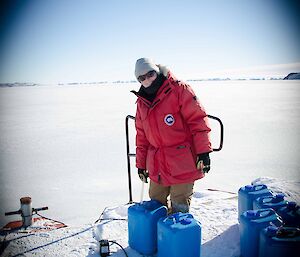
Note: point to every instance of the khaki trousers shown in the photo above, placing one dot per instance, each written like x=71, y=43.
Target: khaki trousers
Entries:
x=180, y=196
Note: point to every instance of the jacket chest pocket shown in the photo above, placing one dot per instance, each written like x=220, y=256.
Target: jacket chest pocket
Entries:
x=180, y=159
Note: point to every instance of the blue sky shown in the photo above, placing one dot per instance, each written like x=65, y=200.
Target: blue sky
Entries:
x=54, y=41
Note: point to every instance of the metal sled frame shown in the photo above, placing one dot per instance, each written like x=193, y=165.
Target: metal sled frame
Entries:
x=129, y=154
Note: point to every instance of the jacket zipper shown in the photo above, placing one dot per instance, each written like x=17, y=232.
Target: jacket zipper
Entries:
x=155, y=103
x=159, y=141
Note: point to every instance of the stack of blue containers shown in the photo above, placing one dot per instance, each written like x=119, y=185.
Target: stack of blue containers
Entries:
x=251, y=223
x=151, y=231
x=269, y=225
x=248, y=194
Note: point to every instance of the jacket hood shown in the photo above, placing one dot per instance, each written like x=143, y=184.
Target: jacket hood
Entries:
x=167, y=73
x=163, y=69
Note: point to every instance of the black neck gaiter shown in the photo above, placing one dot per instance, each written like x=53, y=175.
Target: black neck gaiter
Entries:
x=150, y=92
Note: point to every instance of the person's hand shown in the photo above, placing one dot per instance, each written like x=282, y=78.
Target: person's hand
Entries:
x=143, y=175
x=203, y=162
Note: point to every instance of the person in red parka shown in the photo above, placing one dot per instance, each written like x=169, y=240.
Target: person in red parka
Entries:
x=172, y=135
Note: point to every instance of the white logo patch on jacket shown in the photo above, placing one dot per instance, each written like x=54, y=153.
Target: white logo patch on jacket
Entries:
x=169, y=119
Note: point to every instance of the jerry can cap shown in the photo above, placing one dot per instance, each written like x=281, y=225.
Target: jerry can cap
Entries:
x=292, y=206
x=279, y=196
x=186, y=221
x=248, y=187
x=252, y=214
x=272, y=231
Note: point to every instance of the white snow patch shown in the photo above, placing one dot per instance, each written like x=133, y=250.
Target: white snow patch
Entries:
x=216, y=210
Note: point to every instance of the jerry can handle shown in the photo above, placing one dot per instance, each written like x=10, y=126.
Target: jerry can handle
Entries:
x=158, y=209
x=265, y=212
x=175, y=217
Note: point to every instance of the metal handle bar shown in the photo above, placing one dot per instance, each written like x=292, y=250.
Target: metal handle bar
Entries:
x=222, y=132
x=13, y=213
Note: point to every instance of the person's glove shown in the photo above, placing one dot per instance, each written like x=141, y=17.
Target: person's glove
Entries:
x=143, y=175
x=203, y=162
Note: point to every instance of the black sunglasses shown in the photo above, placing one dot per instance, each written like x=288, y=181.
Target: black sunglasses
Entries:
x=148, y=75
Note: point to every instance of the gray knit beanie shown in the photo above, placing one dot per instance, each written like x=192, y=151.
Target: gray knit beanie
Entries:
x=144, y=65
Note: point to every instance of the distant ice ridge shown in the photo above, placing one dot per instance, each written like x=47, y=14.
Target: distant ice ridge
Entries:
x=23, y=84
x=18, y=84
x=293, y=76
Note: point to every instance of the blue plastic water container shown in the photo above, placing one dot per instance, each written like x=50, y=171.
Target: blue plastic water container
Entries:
x=178, y=235
x=274, y=202
x=251, y=223
x=142, y=225
x=248, y=194
x=279, y=242
x=290, y=214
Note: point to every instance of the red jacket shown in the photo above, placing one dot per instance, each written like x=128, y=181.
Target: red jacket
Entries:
x=171, y=131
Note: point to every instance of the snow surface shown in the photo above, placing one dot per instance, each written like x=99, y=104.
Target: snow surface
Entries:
x=65, y=147
x=217, y=212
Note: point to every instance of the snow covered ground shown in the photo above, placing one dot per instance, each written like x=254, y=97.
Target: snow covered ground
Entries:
x=65, y=147
x=217, y=212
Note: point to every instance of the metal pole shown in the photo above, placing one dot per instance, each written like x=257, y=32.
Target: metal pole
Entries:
x=128, y=156
x=26, y=211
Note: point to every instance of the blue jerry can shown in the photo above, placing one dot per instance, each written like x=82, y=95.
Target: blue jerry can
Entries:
x=279, y=242
x=248, y=194
x=178, y=235
x=142, y=225
x=290, y=214
x=274, y=202
x=251, y=223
